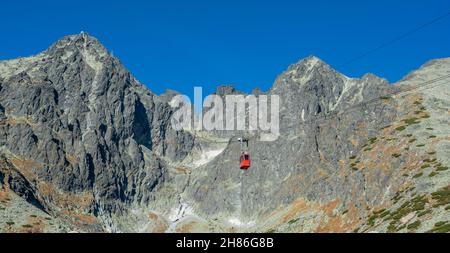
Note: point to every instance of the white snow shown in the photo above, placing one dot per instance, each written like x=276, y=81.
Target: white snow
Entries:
x=347, y=85
x=179, y=212
x=207, y=156
x=235, y=221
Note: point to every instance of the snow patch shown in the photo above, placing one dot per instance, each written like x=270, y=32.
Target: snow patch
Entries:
x=235, y=221
x=178, y=213
x=207, y=156
x=347, y=85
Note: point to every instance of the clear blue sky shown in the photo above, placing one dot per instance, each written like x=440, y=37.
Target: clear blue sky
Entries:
x=181, y=44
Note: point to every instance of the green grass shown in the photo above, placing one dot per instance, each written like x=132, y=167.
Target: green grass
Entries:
x=384, y=213
x=424, y=213
x=414, y=225
x=392, y=228
x=440, y=227
x=373, y=140
x=396, y=155
x=400, y=128
x=432, y=174
x=442, y=196
x=425, y=166
x=418, y=175
x=352, y=157
x=432, y=136
x=420, y=145
x=441, y=168
x=293, y=221
x=372, y=219
x=412, y=140
x=429, y=128
x=414, y=205
x=440, y=223
x=411, y=121
x=397, y=196
x=10, y=223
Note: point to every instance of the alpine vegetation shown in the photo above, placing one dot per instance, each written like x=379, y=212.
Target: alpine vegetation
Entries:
x=85, y=147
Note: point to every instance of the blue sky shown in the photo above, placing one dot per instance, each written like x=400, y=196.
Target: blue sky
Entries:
x=181, y=44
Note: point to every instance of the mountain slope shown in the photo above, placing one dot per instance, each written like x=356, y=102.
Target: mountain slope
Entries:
x=94, y=149
x=78, y=127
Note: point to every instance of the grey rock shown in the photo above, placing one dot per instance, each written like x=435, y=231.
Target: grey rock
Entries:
x=79, y=132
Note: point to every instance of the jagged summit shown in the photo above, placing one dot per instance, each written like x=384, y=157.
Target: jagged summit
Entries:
x=313, y=63
x=223, y=90
x=310, y=62
x=70, y=50
x=82, y=138
x=308, y=69
x=81, y=41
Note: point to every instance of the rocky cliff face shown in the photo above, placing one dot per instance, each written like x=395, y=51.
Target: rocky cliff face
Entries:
x=85, y=146
x=83, y=131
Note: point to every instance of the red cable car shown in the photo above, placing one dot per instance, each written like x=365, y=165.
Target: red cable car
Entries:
x=245, y=160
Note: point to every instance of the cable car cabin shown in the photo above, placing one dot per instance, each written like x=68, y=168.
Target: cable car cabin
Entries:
x=245, y=160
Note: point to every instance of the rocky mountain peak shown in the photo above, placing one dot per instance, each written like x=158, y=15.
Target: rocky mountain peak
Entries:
x=92, y=147
x=82, y=42
x=81, y=46
x=311, y=61
x=309, y=64
x=305, y=70
x=227, y=90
